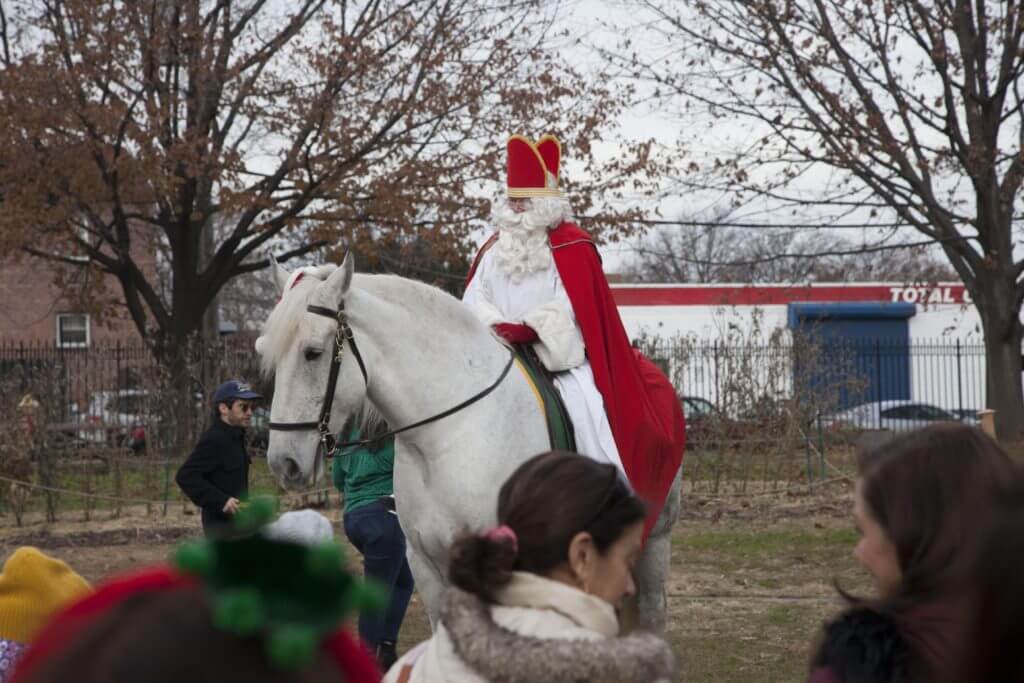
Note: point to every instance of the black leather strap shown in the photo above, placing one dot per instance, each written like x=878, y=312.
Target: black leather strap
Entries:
x=332, y=374
x=293, y=426
x=342, y=336
x=328, y=313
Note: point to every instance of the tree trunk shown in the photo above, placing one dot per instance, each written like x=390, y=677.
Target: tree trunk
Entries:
x=210, y=333
x=1000, y=320
x=177, y=390
x=1004, y=389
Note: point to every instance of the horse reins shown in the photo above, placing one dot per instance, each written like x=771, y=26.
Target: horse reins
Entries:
x=328, y=443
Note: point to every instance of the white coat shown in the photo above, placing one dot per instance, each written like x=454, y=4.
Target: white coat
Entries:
x=540, y=630
x=539, y=299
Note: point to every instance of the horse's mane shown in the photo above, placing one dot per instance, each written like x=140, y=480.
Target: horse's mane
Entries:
x=287, y=321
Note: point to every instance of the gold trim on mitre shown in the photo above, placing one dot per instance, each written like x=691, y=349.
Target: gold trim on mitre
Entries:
x=529, y=143
x=554, y=139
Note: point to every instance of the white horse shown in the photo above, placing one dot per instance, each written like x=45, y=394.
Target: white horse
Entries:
x=423, y=352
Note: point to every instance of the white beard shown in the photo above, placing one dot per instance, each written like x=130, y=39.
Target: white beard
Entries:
x=523, y=246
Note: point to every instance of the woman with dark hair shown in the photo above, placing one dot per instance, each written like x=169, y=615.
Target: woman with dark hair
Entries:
x=920, y=499
x=995, y=583
x=535, y=598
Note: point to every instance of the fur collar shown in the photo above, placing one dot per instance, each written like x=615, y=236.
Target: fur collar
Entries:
x=537, y=592
x=502, y=656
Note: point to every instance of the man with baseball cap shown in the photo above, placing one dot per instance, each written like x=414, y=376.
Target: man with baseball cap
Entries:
x=216, y=475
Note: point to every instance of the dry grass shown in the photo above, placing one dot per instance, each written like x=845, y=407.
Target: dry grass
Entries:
x=751, y=582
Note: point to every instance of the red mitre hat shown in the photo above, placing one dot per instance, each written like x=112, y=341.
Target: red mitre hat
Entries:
x=533, y=166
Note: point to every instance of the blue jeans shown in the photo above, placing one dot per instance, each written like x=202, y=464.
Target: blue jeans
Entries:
x=375, y=533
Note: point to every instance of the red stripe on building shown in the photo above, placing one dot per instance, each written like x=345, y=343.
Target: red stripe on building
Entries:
x=766, y=295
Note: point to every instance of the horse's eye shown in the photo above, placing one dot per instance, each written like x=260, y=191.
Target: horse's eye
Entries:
x=313, y=354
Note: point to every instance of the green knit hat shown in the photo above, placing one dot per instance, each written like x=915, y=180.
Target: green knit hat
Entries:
x=293, y=594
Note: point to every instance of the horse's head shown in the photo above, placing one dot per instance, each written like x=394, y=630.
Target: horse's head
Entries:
x=296, y=348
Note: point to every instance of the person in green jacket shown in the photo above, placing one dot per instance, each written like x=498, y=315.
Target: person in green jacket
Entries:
x=365, y=477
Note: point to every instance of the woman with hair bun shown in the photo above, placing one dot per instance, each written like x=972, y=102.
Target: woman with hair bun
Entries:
x=535, y=598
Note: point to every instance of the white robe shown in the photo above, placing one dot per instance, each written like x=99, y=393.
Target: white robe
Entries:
x=539, y=299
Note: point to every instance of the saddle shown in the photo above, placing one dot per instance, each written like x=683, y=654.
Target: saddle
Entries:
x=560, y=429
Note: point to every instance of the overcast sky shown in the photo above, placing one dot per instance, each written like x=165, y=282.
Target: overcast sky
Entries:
x=706, y=137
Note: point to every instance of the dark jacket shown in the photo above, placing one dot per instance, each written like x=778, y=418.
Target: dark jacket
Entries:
x=865, y=646
x=217, y=469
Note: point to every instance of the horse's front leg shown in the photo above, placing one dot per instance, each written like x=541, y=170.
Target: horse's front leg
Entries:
x=420, y=516
x=653, y=569
x=427, y=573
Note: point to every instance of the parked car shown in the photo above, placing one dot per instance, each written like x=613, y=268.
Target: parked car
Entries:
x=118, y=417
x=258, y=433
x=696, y=409
x=703, y=422
x=708, y=426
x=893, y=415
x=968, y=415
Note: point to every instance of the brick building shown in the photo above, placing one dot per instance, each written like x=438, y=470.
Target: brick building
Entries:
x=35, y=310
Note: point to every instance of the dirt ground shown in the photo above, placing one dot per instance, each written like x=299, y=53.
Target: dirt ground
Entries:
x=752, y=579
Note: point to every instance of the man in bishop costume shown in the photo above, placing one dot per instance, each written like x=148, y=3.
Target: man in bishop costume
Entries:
x=538, y=280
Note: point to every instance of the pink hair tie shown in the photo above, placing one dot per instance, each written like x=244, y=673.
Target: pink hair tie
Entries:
x=503, y=533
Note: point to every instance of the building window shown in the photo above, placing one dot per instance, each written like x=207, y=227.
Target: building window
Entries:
x=72, y=330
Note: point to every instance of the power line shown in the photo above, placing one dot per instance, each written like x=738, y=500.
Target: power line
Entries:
x=783, y=256
x=769, y=226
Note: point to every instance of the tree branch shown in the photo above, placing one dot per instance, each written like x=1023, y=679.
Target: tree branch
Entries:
x=5, y=43
x=770, y=258
x=283, y=258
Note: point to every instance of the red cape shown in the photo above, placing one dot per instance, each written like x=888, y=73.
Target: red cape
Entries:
x=644, y=412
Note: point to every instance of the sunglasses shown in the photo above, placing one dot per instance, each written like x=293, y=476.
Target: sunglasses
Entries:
x=244, y=407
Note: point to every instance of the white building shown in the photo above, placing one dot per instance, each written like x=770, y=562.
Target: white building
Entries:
x=920, y=342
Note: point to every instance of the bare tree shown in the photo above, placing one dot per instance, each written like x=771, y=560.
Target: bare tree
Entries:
x=908, y=111
x=913, y=265
x=128, y=127
x=703, y=252
x=246, y=301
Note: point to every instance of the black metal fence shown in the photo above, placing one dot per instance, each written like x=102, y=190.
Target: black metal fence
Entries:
x=78, y=378
x=107, y=427
x=828, y=378
x=775, y=413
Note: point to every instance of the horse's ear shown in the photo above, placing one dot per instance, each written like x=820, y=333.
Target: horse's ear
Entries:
x=280, y=275
x=337, y=283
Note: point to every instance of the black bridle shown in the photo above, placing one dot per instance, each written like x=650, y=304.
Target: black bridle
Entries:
x=328, y=443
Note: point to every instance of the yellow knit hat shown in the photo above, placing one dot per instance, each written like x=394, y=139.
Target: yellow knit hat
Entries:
x=32, y=587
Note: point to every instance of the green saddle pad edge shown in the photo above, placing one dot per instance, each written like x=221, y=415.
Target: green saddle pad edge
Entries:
x=560, y=430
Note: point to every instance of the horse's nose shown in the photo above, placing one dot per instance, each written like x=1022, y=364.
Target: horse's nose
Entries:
x=289, y=472
x=292, y=471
